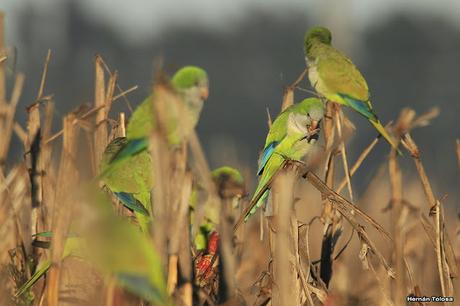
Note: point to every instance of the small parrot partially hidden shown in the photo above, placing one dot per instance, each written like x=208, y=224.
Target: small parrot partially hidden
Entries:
x=118, y=249
x=292, y=136
x=229, y=182
x=126, y=164
x=335, y=77
x=230, y=186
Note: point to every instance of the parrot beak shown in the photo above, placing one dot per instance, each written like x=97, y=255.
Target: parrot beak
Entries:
x=204, y=92
x=313, y=126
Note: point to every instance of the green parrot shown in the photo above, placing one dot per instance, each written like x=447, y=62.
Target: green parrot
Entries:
x=130, y=181
x=334, y=76
x=117, y=248
x=229, y=182
x=126, y=164
x=120, y=249
x=230, y=186
x=292, y=136
x=192, y=87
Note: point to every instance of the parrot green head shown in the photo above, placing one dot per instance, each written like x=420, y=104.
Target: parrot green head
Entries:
x=189, y=77
x=316, y=35
x=315, y=110
x=306, y=116
x=229, y=182
x=192, y=84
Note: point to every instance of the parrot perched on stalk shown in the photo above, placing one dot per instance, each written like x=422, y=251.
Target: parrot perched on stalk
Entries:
x=335, y=77
x=118, y=249
x=126, y=164
x=292, y=136
x=191, y=85
x=230, y=187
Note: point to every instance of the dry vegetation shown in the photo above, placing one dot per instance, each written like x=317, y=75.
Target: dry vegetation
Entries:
x=319, y=247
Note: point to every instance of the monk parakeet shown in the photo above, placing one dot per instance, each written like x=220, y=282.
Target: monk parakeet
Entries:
x=126, y=164
x=229, y=182
x=334, y=76
x=131, y=181
x=119, y=249
x=230, y=187
x=292, y=136
x=192, y=87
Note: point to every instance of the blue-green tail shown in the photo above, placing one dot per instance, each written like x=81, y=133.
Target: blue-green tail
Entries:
x=258, y=204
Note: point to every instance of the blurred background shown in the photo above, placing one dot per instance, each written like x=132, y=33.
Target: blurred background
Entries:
x=407, y=50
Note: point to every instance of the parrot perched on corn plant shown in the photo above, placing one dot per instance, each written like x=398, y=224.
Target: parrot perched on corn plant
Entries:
x=229, y=182
x=130, y=181
x=292, y=136
x=230, y=187
x=191, y=85
x=117, y=248
x=335, y=77
x=126, y=164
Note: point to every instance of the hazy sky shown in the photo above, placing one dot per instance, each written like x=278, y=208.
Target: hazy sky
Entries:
x=136, y=18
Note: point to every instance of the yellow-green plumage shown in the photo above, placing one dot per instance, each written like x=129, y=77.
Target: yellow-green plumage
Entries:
x=191, y=86
x=292, y=136
x=133, y=176
x=126, y=166
x=229, y=185
x=182, y=99
x=120, y=249
x=136, y=176
x=335, y=77
x=117, y=248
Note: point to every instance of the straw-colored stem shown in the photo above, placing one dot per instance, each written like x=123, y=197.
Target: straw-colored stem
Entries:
x=358, y=162
x=286, y=289
x=397, y=227
x=63, y=206
x=338, y=116
x=436, y=213
x=100, y=135
x=44, y=74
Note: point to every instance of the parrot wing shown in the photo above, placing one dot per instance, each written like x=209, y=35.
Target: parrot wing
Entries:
x=266, y=154
x=128, y=200
x=341, y=76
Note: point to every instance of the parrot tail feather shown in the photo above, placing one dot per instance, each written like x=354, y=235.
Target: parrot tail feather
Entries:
x=258, y=199
x=385, y=135
x=128, y=200
x=258, y=204
x=364, y=108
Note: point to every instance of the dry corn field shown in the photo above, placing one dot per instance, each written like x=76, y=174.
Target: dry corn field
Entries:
x=322, y=243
